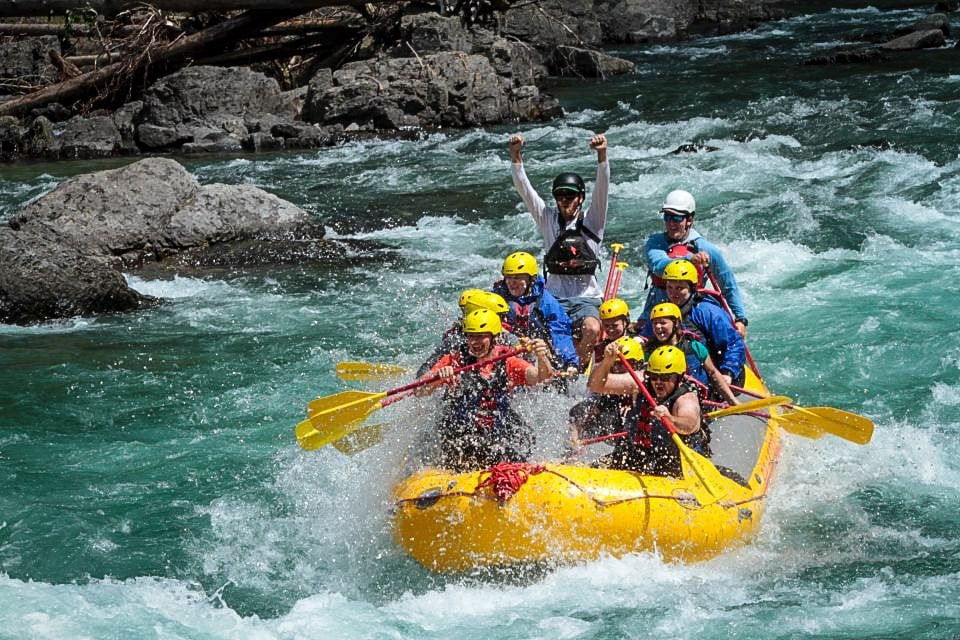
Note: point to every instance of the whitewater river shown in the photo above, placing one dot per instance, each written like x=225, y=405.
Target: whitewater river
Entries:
x=151, y=484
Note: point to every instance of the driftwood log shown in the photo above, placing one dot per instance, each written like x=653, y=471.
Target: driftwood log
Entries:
x=23, y=8
x=177, y=52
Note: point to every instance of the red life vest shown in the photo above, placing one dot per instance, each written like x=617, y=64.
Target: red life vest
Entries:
x=677, y=251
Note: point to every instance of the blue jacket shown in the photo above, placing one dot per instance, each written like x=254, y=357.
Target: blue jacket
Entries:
x=707, y=319
x=547, y=319
x=656, y=250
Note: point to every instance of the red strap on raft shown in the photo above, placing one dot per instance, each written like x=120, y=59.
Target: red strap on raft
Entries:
x=506, y=478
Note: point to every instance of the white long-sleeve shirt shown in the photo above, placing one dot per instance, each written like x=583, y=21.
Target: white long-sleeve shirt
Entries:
x=548, y=220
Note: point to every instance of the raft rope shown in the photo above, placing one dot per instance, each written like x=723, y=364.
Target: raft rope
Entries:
x=506, y=478
x=513, y=475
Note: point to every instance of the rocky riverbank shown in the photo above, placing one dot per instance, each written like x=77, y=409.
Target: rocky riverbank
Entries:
x=417, y=70
x=64, y=254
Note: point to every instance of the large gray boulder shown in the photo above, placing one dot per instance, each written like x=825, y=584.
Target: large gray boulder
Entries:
x=115, y=212
x=517, y=63
x=210, y=95
x=61, y=255
x=84, y=138
x=43, y=279
x=931, y=38
x=451, y=89
x=208, y=106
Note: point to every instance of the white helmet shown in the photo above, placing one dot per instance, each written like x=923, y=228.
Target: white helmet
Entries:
x=680, y=201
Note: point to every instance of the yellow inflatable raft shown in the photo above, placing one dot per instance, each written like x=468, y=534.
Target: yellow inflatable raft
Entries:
x=454, y=522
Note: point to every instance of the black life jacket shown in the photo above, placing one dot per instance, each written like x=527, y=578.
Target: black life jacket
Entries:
x=570, y=254
x=691, y=328
x=648, y=447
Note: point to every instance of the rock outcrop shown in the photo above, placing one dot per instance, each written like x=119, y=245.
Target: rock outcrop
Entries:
x=62, y=254
x=421, y=71
x=928, y=33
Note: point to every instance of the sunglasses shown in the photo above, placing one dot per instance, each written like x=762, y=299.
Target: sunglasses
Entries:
x=566, y=195
x=674, y=217
x=660, y=377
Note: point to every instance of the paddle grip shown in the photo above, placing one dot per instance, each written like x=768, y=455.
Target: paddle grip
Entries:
x=613, y=264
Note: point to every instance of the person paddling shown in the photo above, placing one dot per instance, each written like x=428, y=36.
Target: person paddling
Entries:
x=705, y=319
x=602, y=414
x=534, y=312
x=667, y=329
x=478, y=426
x=680, y=240
x=571, y=239
x=648, y=447
x=453, y=338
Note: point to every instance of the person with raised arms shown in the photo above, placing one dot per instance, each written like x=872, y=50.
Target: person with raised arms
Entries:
x=680, y=240
x=470, y=300
x=705, y=319
x=571, y=239
x=667, y=329
x=647, y=446
x=478, y=426
x=534, y=312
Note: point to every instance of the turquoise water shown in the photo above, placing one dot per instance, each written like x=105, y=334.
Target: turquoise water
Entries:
x=151, y=485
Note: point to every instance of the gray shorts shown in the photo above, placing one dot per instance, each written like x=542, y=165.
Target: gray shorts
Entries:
x=579, y=308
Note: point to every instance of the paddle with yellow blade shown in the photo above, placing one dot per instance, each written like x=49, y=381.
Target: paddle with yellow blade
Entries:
x=696, y=463
x=753, y=405
x=368, y=371
x=814, y=422
x=334, y=417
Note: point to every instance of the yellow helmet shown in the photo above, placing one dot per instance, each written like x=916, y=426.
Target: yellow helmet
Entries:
x=666, y=310
x=482, y=321
x=486, y=300
x=520, y=263
x=682, y=270
x=614, y=308
x=466, y=297
x=668, y=359
x=631, y=348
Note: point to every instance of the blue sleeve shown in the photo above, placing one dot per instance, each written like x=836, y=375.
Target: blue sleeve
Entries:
x=656, y=253
x=646, y=331
x=560, y=330
x=724, y=337
x=724, y=276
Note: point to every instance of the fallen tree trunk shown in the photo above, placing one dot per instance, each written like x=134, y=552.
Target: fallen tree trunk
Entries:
x=19, y=8
x=61, y=29
x=41, y=29
x=244, y=26
x=300, y=46
x=92, y=59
